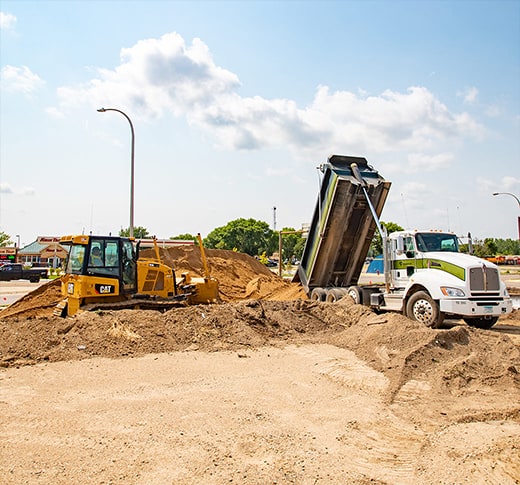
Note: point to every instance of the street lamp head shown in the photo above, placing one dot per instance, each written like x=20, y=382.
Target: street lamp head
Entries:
x=101, y=110
x=496, y=193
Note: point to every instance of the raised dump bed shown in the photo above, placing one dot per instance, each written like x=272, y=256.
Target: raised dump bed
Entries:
x=342, y=226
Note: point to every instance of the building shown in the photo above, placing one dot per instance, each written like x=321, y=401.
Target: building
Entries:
x=45, y=251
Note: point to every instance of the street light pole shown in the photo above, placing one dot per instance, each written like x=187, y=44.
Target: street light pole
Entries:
x=517, y=200
x=102, y=110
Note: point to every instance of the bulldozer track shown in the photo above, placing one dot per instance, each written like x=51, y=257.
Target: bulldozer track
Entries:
x=136, y=304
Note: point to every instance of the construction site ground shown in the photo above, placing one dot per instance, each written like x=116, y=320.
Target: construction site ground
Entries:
x=266, y=387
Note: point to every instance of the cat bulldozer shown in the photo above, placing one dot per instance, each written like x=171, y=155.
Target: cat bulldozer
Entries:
x=106, y=272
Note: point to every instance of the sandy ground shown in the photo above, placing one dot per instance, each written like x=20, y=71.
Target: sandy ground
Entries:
x=265, y=388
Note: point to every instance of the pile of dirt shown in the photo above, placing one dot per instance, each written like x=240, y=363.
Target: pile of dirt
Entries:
x=38, y=303
x=240, y=276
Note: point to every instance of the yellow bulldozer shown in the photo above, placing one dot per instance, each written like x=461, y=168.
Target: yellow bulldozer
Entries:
x=106, y=272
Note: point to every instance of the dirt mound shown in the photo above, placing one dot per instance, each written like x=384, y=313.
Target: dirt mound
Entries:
x=37, y=303
x=240, y=276
x=456, y=361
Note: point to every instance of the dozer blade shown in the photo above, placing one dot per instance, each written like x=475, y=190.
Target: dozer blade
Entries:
x=60, y=310
x=138, y=304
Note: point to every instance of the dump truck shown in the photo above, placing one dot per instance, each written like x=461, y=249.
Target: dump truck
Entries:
x=426, y=277
x=107, y=272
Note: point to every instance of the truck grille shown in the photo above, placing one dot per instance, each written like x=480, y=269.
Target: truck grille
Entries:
x=483, y=278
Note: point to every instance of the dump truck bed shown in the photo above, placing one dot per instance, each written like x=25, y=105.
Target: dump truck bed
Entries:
x=342, y=226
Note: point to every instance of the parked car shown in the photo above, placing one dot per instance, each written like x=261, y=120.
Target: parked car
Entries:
x=16, y=271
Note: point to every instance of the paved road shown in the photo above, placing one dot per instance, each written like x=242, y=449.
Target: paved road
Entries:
x=10, y=291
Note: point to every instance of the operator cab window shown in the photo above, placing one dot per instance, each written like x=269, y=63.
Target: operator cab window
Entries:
x=104, y=258
x=76, y=258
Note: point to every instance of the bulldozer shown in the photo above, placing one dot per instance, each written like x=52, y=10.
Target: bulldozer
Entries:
x=106, y=272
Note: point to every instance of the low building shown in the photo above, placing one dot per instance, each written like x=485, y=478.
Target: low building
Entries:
x=45, y=251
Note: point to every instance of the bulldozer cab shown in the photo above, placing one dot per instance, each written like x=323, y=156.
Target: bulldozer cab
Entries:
x=103, y=256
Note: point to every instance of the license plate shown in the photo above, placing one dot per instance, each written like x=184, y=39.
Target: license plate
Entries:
x=488, y=309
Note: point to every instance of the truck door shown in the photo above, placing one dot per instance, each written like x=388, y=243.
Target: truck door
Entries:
x=403, y=262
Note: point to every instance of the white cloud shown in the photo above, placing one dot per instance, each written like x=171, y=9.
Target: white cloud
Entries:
x=54, y=112
x=157, y=76
x=509, y=182
x=428, y=163
x=20, y=79
x=493, y=111
x=7, y=21
x=469, y=94
x=5, y=188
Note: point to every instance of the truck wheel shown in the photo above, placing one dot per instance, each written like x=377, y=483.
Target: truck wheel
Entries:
x=422, y=308
x=34, y=280
x=335, y=294
x=356, y=294
x=318, y=294
x=481, y=322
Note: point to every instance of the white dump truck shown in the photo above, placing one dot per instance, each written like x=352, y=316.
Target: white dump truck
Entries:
x=426, y=277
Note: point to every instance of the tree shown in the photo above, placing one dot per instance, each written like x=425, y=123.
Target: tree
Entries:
x=186, y=237
x=485, y=248
x=376, y=246
x=292, y=245
x=245, y=235
x=139, y=232
x=507, y=246
x=5, y=239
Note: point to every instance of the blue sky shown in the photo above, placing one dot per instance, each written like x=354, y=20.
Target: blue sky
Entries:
x=235, y=104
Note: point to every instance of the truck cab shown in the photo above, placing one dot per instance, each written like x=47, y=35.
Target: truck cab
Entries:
x=410, y=249
x=450, y=283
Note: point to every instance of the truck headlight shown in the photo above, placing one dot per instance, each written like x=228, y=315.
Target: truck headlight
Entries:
x=448, y=291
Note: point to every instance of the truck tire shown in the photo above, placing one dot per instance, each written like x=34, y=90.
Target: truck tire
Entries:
x=481, y=322
x=356, y=294
x=34, y=279
x=422, y=308
x=318, y=294
x=335, y=294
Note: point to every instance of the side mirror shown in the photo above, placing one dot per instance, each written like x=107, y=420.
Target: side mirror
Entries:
x=400, y=245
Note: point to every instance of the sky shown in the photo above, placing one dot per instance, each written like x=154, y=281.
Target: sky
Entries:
x=235, y=104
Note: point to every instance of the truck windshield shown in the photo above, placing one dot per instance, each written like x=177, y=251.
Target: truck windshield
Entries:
x=427, y=241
